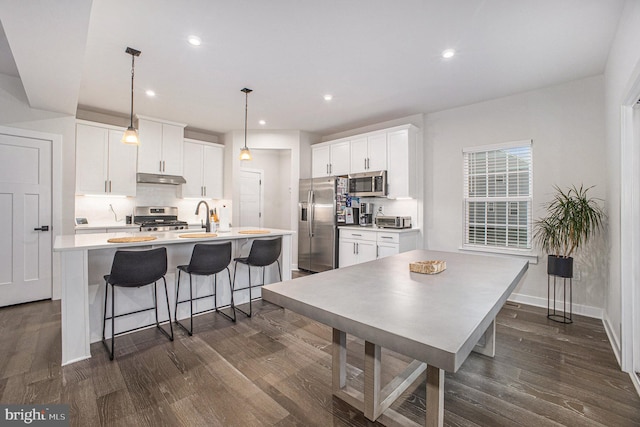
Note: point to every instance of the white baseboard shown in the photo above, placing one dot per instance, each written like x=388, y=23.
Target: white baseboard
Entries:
x=613, y=339
x=636, y=381
x=583, y=310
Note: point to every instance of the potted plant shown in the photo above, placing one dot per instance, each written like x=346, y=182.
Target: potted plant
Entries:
x=572, y=219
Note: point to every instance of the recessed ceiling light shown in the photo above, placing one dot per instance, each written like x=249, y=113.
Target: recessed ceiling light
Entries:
x=262, y=122
x=194, y=40
x=448, y=53
x=150, y=93
x=328, y=97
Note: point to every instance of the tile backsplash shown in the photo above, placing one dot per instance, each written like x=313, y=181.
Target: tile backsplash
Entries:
x=97, y=209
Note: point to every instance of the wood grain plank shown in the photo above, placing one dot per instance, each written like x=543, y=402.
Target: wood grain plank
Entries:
x=275, y=369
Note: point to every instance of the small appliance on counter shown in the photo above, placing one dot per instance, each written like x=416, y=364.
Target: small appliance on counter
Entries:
x=158, y=218
x=385, y=221
x=366, y=214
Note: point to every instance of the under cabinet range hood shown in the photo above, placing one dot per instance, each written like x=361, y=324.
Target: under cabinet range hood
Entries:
x=153, y=178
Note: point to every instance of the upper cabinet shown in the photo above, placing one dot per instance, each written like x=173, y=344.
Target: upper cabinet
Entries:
x=104, y=165
x=369, y=153
x=392, y=149
x=160, y=150
x=331, y=159
x=401, y=161
x=203, y=169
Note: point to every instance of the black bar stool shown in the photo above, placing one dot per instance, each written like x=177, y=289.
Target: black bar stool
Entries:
x=133, y=269
x=206, y=260
x=264, y=252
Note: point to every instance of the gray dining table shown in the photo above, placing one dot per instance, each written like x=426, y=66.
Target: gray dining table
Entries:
x=435, y=319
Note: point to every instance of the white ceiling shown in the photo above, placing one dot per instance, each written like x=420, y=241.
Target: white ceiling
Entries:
x=380, y=59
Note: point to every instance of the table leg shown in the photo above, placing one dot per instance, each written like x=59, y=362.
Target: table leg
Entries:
x=371, y=380
x=339, y=360
x=435, y=397
x=487, y=343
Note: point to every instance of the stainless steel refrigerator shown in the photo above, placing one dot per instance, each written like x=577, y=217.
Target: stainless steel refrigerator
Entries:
x=318, y=199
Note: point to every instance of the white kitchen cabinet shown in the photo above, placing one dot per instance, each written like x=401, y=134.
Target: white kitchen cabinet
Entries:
x=355, y=247
x=104, y=165
x=392, y=243
x=203, y=169
x=330, y=159
x=401, y=161
x=160, y=149
x=369, y=153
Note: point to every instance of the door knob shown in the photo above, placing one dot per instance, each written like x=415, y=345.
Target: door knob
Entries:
x=43, y=228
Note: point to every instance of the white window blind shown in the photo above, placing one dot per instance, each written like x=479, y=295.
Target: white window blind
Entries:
x=498, y=195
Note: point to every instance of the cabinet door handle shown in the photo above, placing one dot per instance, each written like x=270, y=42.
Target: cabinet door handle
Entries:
x=110, y=186
x=327, y=168
x=205, y=190
x=354, y=234
x=330, y=169
x=160, y=167
x=365, y=163
x=386, y=237
x=105, y=186
x=377, y=253
x=357, y=248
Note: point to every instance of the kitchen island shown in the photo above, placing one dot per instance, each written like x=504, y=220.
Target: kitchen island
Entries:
x=435, y=319
x=86, y=258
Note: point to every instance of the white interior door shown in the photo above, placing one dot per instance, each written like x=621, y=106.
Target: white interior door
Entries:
x=25, y=205
x=251, y=195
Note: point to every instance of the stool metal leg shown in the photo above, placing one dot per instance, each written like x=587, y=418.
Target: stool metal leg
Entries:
x=177, y=295
x=190, y=329
x=113, y=319
x=166, y=294
x=232, y=306
x=235, y=272
x=104, y=314
x=155, y=302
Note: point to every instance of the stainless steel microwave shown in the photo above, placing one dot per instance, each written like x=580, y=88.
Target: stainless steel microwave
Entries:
x=368, y=184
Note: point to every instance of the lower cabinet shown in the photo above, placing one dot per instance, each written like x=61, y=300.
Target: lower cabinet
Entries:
x=355, y=251
x=356, y=246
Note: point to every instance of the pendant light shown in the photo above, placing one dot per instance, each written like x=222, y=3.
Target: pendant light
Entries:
x=131, y=134
x=245, y=154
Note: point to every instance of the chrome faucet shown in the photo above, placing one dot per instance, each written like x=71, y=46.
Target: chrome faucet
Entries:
x=207, y=225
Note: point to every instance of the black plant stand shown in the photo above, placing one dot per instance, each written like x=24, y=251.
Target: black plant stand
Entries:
x=555, y=314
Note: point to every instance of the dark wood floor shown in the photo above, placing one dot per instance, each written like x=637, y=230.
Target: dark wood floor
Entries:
x=274, y=369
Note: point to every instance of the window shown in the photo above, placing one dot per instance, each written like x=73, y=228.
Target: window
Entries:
x=498, y=196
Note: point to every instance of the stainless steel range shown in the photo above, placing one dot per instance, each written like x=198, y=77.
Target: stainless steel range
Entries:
x=158, y=218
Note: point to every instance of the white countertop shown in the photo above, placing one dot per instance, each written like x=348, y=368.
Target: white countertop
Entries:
x=70, y=242
x=374, y=228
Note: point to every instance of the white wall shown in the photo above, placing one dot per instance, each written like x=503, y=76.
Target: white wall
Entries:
x=274, y=140
x=566, y=124
x=276, y=168
x=621, y=72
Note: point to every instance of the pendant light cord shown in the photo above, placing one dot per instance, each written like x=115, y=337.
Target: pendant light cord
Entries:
x=133, y=64
x=246, y=108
